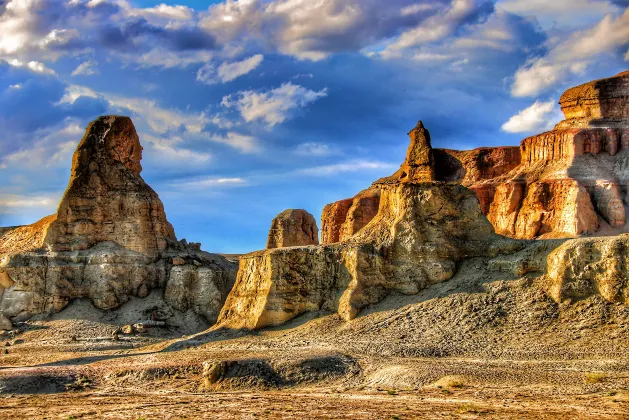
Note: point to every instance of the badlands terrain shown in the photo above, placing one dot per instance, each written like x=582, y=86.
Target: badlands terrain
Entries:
x=487, y=283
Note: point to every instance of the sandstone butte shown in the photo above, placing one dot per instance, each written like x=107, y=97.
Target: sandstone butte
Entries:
x=108, y=241
x=412, y=229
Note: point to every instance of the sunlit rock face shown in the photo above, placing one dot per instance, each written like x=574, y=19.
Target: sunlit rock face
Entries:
x=567, y=182
x=293, y=228
x=106, y=198
x=419, y=231
x=109, y=240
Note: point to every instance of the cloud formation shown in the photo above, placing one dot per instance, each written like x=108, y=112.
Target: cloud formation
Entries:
x=537, y=117
x=273, y=106
x=227, y=71
x=573, y=55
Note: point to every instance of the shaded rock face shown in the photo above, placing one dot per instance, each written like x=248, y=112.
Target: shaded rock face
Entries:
x=106, y=198
x=415, y=239
x=109, y=240
x=293, y=228
x=567, y=182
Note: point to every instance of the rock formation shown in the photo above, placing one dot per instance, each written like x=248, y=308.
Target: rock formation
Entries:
x=109, y=240
x=413, y=229
x=567, y=182
x=420, y=231
x=293, y=228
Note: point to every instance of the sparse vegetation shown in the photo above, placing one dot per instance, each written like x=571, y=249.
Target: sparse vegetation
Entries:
x=470, y=408
x=595, y=377
x=450, y=382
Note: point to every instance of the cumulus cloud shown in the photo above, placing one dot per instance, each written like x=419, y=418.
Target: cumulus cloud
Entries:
x=227, y=72
x=313, y=30
x=573, y=55
x=537, y=117
x=273, y=106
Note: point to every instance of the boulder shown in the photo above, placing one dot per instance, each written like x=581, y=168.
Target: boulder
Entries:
x=293, y=228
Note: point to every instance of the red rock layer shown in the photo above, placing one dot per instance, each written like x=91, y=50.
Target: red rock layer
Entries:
x=332, y=219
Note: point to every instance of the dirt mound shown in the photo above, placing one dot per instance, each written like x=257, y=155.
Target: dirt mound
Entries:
x=273, y=373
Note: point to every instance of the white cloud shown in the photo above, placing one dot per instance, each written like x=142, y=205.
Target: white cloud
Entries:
x=227, y=72
x=164, y=11
x=562, y=12
x=34, y=66
x=435, y=28
x=21, y=201
x=212, y=183
x=242, y=142
x=537, y=117
x=86, y=68
x=350, y=166
x=274, y=106
x=315, y=149
x=573, y=55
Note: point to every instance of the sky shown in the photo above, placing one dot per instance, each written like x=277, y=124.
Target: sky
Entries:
x=249, y=107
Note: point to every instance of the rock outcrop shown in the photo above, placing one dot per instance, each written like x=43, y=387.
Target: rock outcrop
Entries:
x=567, y=182
x=293, y=228
x=109, y=240
x=421, y=230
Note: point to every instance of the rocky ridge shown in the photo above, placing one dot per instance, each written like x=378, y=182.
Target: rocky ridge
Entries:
x=109, y=240
x=566, y=182
x=430, y=218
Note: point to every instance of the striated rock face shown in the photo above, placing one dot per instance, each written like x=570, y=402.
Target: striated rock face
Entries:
x=420, y=231
x=589, y=103
x=109, y=240
x=567, y=182
x=332, y=219
x=293, y=228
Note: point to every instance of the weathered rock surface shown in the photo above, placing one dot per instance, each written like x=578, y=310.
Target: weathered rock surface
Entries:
x=585, y=267
x=110, y=240
x=567, y=182
x=293, y=228
x=421, y=230
x=106, y=198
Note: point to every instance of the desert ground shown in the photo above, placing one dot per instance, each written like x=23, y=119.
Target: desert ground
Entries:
x=486, y=346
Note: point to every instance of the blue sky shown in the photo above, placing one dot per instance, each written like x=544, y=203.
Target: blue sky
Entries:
x=246, y=108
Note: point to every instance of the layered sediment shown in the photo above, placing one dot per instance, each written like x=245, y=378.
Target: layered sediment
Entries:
x=567, y=182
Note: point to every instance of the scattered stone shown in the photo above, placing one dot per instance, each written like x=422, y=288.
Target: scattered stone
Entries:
x=5, y=323
x=178, y=261
x=127, y=329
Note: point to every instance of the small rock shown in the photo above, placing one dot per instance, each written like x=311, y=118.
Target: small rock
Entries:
x=127, y=329
x=18, y=341
x=139, y=328
x=197, y=263
x=143, y=291
x=178, y=261
x=5, y=323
